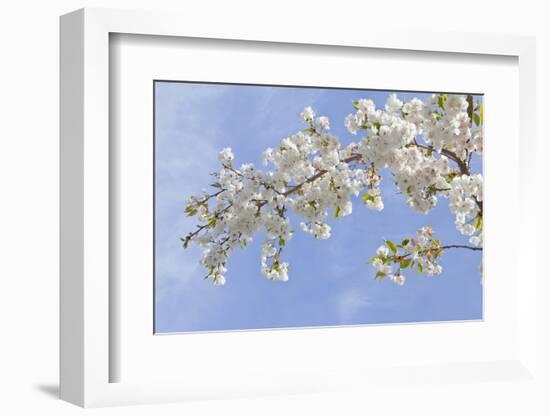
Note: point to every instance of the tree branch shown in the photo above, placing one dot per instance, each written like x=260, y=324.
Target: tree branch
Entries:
x=464, y=170
x=474, y=248
x=428, y=249
x=462, y=165
x=312, y=178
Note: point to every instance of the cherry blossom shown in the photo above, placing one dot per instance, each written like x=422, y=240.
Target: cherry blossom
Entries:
x=426, y=145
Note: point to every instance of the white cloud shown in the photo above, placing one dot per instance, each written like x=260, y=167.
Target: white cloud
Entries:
x=350, y=303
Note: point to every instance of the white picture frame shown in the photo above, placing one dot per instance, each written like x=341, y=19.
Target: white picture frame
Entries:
x=85, y=220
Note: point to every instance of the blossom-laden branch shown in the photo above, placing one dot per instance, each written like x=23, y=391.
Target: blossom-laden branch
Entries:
x=420, y=252
x=427, y=146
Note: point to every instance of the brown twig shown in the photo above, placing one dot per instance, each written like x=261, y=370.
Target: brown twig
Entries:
x=313, y=178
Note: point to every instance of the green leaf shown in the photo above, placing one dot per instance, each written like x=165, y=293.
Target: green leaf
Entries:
x=372, y=259
x=480, y=113
x=405, y=242
x=191, y=211
x=391, y=246
x=419, y=269
x=479, y=223
x=216, y=185
x=212, y=222
x=411, y=266
x=309, y=131
x=367, y=197
x=380, y=275
x=477, y=119
x=441, y=101
x=356, y=105
x=336, y=212
x=405, y=263
x=282, y=242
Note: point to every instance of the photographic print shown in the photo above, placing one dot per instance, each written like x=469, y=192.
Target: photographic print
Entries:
x=297, y=207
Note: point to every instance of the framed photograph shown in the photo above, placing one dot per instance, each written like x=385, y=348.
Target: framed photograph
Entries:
x=295, y=212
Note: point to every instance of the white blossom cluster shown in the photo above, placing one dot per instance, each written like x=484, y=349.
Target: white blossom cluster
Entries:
x=421, y=251
x=427, y=146
x=420, y=142
x=465, y=195
x=384, y=267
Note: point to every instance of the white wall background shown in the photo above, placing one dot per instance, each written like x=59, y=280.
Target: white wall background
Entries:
x=29, y=56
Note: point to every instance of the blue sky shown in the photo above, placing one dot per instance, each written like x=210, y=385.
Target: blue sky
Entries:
x=330, y=281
